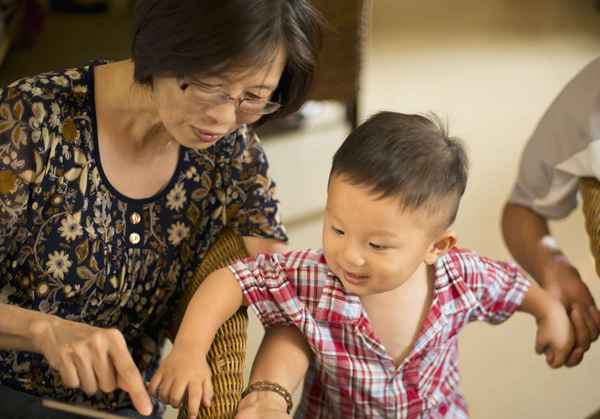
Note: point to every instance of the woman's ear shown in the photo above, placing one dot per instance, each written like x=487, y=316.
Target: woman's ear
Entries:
x=440, y=246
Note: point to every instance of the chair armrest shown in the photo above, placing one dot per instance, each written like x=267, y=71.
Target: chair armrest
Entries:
x=590, y=196
x=227, y=354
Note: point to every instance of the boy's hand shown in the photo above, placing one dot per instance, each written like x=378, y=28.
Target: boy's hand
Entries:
x=184, y=372
x=555, y=335
x=564, y=283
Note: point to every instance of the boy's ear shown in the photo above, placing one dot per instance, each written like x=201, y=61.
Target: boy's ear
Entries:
x=441, y=246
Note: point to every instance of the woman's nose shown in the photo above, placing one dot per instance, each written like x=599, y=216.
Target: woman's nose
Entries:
x=224, y=115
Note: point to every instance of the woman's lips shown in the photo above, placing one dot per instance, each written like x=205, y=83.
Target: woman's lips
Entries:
x=205, y=136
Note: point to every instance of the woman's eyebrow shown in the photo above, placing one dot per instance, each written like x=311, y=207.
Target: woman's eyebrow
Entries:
x=263, y=86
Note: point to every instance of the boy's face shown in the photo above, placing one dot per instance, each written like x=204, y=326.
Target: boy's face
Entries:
x=373, y=245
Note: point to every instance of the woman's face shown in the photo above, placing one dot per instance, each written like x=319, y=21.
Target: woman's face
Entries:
x=198, y=111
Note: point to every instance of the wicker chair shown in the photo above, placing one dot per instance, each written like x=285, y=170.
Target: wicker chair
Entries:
x=340, y=62
x=590, y=196
x=228, y=351
x=595, y=415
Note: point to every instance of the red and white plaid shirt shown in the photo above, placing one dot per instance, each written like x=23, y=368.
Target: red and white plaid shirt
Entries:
x=351, y=375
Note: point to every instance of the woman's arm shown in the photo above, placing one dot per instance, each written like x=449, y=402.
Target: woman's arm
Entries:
x=16, y=326
x=86, y=357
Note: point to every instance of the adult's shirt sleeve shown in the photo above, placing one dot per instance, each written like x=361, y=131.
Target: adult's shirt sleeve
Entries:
x=253, y=193
x=564, y=146
x=24, y=147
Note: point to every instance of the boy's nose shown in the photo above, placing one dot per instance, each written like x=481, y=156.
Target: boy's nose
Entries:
x=353, y=257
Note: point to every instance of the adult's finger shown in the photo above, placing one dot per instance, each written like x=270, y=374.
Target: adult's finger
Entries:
x=87, y=378
x=68, y=371
x=128, y=375
x=595, y=313
x=105, y=373
x=575, y=357
x=582, y=333
x=591, y=325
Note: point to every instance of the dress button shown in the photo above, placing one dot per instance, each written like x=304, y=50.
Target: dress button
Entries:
x=134, y=238
x=135, y=218
x=57, y=199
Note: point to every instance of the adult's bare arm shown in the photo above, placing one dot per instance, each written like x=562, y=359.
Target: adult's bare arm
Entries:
x=86, y=357
x=529, y=240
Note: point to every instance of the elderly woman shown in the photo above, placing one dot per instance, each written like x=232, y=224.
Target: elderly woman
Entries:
x=116, y=177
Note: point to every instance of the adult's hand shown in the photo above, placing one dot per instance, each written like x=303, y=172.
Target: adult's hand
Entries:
x=562, y=280
x=90, y=358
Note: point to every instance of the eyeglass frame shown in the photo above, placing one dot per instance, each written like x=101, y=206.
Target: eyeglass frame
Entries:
x=219, y=97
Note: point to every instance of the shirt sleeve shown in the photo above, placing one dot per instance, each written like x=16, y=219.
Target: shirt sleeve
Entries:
x=254, y=200
x=498, y=287
x=23, y=145
x=269, y=284
x=564, y=146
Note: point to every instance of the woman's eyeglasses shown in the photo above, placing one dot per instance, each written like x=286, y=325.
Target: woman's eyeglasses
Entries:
x=211, y=95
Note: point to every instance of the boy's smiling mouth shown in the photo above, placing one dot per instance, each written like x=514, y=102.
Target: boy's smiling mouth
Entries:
x=354, y=278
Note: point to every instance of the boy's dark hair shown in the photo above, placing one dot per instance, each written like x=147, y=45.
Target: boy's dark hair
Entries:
x=409, y=157
x=196, y=37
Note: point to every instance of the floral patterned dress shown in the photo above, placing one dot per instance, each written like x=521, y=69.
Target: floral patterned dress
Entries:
x=73, y=246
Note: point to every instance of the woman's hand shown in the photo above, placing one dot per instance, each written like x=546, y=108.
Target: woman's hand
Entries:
x=90, y=358
x=184, y=372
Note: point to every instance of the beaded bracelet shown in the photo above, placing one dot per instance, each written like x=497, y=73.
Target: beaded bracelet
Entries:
x=270, y=386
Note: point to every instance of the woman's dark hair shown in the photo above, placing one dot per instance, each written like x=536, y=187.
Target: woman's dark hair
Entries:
x=409, y=157
x=191, y=37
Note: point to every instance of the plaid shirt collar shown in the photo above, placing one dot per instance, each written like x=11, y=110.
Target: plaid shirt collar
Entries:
x=451, y=295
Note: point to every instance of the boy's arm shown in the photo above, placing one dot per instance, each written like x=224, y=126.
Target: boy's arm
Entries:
x=282, y=358
x=555, y=335
x=216, y=299
x=185, y=370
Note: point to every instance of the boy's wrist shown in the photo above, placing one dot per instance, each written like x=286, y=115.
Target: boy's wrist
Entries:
x=548, y=307
x=539, y=303
x=190, y=345
x=267, y=395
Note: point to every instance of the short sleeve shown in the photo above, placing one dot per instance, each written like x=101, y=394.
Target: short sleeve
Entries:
x=269, y=284
x=253, y=197
x=564, y=146
x=23, y=144
x=499, y=287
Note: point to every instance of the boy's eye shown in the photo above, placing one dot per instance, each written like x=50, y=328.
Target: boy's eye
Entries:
x=377, y=246
x=337, y=231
